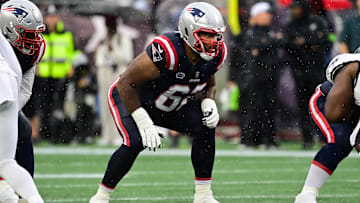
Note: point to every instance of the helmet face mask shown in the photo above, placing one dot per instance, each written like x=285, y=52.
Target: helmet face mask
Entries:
x=29, y=40
x=208, y=46
x=201, y=26
x=21, y=22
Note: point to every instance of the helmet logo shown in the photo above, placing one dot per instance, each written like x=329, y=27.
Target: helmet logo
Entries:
x=18, y=12
x=197, y=13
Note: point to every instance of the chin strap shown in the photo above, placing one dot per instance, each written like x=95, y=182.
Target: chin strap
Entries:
x=206, y=57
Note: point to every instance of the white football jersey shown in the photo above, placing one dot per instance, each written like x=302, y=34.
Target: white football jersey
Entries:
x=29, y=76
x=26, y=87
x=8, y=55
x=24, y=81
x=339, y=63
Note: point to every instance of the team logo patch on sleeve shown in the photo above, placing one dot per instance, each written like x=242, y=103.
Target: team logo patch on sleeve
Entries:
x=197, y=13
x=156, y=52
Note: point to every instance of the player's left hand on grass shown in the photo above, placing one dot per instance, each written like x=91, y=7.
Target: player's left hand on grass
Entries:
x=210, y=113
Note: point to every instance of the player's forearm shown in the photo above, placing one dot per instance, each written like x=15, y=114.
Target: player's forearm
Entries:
x=209, y=92
x=129, y=95
x=210, y=89
x=340, y=97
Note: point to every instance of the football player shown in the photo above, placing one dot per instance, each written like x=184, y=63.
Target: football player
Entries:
x=21, y=23
x=334, y=108
x=171, y=84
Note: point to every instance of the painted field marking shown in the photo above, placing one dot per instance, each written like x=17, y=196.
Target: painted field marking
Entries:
x=177, y=152
x=280, y=196
x=165, y=184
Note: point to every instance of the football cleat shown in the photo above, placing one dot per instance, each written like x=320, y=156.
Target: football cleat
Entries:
x=206, y=197
x=306, y=197
x=7, y=194
x=99, y=198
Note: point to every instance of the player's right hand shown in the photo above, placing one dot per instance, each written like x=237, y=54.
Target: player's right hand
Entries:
x=149, y=135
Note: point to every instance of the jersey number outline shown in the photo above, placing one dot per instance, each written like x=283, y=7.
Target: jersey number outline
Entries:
x=177, y=102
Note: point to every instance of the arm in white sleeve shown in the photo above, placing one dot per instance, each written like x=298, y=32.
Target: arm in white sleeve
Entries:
x=26, y=87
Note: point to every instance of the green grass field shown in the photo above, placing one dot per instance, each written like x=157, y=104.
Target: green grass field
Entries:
x=72, y=174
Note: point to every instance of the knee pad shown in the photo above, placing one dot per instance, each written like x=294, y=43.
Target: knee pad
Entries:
x=24, y=126
x=331, y=155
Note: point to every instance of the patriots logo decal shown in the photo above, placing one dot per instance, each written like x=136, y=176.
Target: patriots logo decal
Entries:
x=18, y=12
x=197, y=13
x=157, y=53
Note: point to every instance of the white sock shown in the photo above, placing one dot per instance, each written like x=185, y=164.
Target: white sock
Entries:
x=20, y=180
x=315, y=179
x=104, y=191
x=203, y=186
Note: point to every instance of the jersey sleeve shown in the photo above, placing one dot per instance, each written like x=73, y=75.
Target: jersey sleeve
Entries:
x=26, y=87
x=162, y=53
x=224, y=54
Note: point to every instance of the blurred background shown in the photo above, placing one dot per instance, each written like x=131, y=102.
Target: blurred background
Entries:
x=279, y=50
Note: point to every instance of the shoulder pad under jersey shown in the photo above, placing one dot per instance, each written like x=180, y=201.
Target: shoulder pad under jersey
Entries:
x=338, y=63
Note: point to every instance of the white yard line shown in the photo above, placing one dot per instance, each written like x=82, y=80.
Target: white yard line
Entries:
x=156, y=172
x=280, y=196
x=172, y=172
x=69, y=176
x=190, y=183
x=176, y=152
x=163, y=184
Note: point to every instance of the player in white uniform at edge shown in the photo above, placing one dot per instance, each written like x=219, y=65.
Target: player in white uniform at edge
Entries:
x=335, y=110
x=20, y=22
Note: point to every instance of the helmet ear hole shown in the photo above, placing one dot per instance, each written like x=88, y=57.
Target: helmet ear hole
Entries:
x=186, y=32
